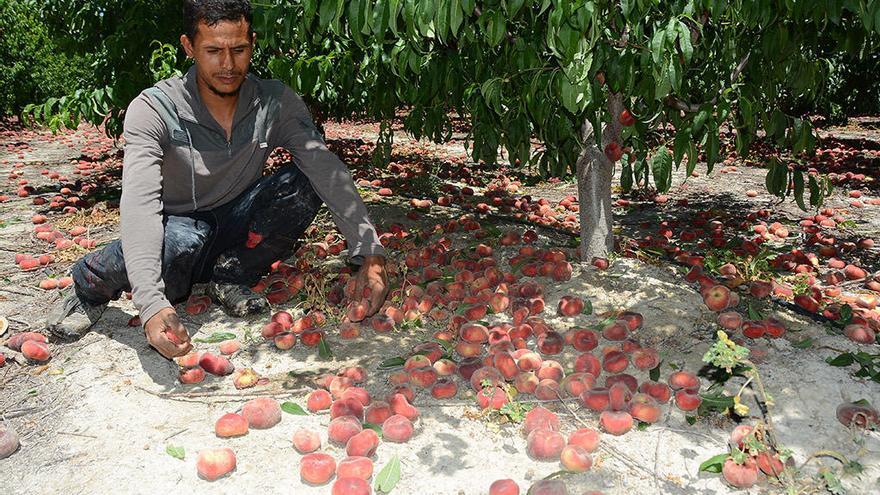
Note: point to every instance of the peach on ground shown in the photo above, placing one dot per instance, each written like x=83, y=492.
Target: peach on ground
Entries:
x=740, y=475
x=347, y=407
x=586, y=438
x=397, y=429
x=319, y=400
x=683, y=380
x=231, y=425
x=228, y=347
x=190, y=376
x=596, y=399
x=216, y=365
x=341, y=429
x=317, y=468
x=359, y=394
x=544, y=444
x=306, y=441
x=548, y=487
x=616, y=422
x=687, y=400
x=350, y=486
x=363, y=444
x=504, y=487
x=35, y=351
x=377, y=412
x=212, y=464
x=445, y=388
x=400, y=405
x=575, y=458
x=262, y=412
x=355, y=467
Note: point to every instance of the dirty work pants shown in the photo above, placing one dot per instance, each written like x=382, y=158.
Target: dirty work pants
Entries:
x=210, y=245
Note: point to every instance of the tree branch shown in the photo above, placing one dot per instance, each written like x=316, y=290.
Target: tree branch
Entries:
x=679, y=104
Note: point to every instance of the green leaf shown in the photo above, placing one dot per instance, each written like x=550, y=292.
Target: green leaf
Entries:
x=654, y=374
x=175, y=452
x=496, y=28
x=626, y=177
x=844, y=359
x=714, y=463
x=388, y=477
x=324, y=349
x=215, y=338
x=293, y=408
x=661, y=168
x=588, y=307
x=712, y=147
x=394, y=362
x=798, y=179
x=374, y=427
x=804, y=344
x=455, y=17
x=846, y=314
x=684, y=41
x=691, y=420
x=754, y=314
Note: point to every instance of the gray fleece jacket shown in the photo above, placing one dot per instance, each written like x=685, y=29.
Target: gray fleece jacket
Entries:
x=177, y=166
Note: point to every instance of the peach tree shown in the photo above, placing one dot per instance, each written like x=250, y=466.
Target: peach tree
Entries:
x=639, y=86
x=631, y=89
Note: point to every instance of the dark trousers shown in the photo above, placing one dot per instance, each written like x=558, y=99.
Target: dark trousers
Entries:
x=210, y=245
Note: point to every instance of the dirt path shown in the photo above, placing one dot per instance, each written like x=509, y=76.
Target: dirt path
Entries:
x=94, y=420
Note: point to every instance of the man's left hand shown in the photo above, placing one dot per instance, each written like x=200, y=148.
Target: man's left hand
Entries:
x=372, y=276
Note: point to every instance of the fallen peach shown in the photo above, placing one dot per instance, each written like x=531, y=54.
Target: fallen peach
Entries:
x=190, y=376
x=317, y=468
x=231, y=425
x=545, y=445
x=740, y=475
x=687, y=400
x=347, y=407
x=550, y=343
x=570, y=306
x=9, y=442
x=216, y=365
x=616, y=331
x=401, y=406
x=423, y=377
x=15, y=342
x=596, y=399
x=350, y=486
x=363, y=444
x=575, y=458
x=35, y=351
x=212, y=464
x=550, y=370
x=615, y=362
x=683, y=380
x=526, y=382
x=306, y=441
x=355, y=467
x=548, y=487
x=377, y=413
x=491, y=398
x=228, y=347
x=341, y=429
x=319, y=400
x=540, y=417
x=586, y=438
x=262, y=412
x=588, y=363
x=646, y=358
x=445, y=388
x=852, y=414
x=503, y=487
x=397, y=429
x=644, y=408
x=584, y=340
x=659, y=391
x=616, y=422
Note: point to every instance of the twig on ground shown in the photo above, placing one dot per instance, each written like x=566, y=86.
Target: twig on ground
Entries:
x=221, y=395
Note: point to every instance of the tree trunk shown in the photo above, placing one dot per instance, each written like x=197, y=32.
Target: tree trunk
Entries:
x=594, y=174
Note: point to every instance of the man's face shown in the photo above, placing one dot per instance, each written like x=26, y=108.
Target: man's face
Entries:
x=222, y=54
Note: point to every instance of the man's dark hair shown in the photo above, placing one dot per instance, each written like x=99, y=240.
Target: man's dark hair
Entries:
x=214, y=11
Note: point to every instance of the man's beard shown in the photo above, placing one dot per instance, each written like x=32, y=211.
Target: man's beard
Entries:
x=223, y=94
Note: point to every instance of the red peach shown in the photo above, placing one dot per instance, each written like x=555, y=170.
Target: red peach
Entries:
x=503, y=487
x=596, y=399
x=15, y=342
x=577, y=383
x=737, y=436
x=851, y=414
x=633, y=320
x=547, y=389
x=306, y=441
x=359, y=467
x=646, y=358
x=659, y=391
x=35, y=351
x=551, y=343
x=740, y=475
x=529, y=361
x=615, y=362
x=363, y=444
x=231, y=425
x=687, y=400
x=506, y=365
x=445, y=388
x=190, y=376
x=576, y=458
x=540, y=418
x=284, y=340
x=397, y=429
x=545, y=445
x=317, y=468
x=284, y=319
x=616, y=331
x=548, y=487
x=584, y=340
x=526, y=382
x=350, y=486
x=468, y=349
x=487, y=374
x=618, y=397
x=717, y=298
x=771, y=465
x=404, y=390
x=347, y=407
x=212, y=464
x=730, y=320
x=445, y=367
x=626, y=379
x=216, y=365
x=423, y=377
x=859, y=333
x=401, y=406
x=551, y=370
x=644, y=408
x=586, y=438
x=311, y=338
x=570, y=306
x=754, y=329
x=341, y=429
x=474, y=333
x=357, y=393
x=588, y=363
x=270, y=330
x=683, y=380
x=319, y=400
x=378, y=412
x=616, y=422
x=228, y=347
x=262, y=412
x=491, y=398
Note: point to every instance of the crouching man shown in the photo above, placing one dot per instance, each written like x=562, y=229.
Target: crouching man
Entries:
x=195, y=205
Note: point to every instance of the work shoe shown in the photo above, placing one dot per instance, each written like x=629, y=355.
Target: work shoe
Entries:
x=238, y=300
x=72, y=317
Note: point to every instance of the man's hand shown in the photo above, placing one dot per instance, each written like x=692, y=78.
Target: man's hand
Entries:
x=166, y=334
x=371, y=276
